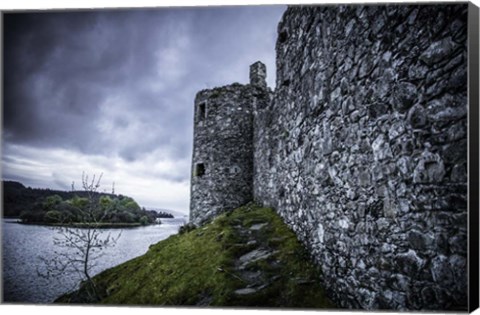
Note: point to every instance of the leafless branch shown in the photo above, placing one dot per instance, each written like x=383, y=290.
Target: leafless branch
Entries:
x=78, y=250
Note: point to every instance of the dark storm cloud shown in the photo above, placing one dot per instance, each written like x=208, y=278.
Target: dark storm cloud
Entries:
x=123, y=82
x=113, y=92
x=60, y=68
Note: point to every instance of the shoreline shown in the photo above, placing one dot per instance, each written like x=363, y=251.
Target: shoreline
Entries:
x=105, y=225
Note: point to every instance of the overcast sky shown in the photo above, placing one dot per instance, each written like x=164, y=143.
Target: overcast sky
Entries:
x=113, y=91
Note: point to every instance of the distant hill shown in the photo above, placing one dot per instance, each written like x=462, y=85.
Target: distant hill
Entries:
x=18, y=198
x=174, y=213
x=31, y=204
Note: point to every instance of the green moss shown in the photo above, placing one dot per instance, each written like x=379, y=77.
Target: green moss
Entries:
x=201, y=267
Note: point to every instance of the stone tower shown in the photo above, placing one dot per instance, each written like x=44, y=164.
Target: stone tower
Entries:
x=258, y=74
x=222, y=162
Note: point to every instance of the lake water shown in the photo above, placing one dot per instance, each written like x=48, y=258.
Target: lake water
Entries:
x=24, y=245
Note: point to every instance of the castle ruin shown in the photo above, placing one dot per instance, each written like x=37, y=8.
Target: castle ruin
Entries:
x=223, y=148
x=361, y=148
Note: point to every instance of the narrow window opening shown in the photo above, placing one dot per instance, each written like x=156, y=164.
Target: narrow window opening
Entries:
x=282, y=37
x=202, y=112
x=199, y=170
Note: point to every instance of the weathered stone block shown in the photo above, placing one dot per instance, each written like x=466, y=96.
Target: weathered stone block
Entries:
x=366, y=133
x=437, y=51
x=441, y=270
x=417, y=116
x=409, y=263
x=381, y=148
x=404, y=96
x=430, y=169
x=420, y=240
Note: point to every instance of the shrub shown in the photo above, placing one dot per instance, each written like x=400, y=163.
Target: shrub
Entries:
x=53, y=216
x=144, y=220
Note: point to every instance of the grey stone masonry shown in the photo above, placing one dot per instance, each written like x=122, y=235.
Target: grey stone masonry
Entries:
x=258, y=75
x=222, y=163
x=362, y=149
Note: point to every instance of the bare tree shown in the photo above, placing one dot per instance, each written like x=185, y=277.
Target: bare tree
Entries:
x=79, y=248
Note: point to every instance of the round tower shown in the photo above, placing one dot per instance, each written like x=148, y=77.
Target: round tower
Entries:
x=222, y=162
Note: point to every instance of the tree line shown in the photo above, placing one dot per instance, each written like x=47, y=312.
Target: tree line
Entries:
x=33, y=205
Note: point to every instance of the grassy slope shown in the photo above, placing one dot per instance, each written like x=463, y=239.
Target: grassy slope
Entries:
x=202, y=267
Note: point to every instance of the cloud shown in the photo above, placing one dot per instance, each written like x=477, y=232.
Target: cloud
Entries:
x=113, y=90
x=152, y=182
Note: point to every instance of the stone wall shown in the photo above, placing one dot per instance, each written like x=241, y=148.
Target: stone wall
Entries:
x=363, y=150
x=222, y=162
